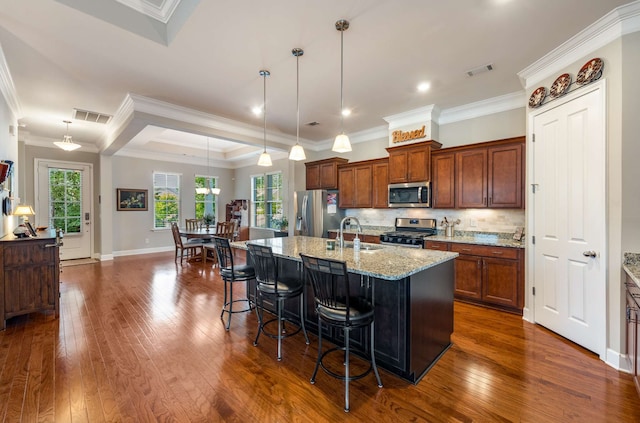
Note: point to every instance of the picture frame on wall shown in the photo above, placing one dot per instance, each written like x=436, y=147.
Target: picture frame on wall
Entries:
x=128, y=199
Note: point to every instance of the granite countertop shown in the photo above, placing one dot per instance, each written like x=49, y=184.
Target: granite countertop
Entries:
x=631, y=266
x=384, y=262
x=495, y=239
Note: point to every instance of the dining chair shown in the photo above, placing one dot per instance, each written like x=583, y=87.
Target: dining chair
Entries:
x=224, y=230
x=336, y=307
x=232, y=273
x=277, y=287
x=192, y=247
x=192, y=224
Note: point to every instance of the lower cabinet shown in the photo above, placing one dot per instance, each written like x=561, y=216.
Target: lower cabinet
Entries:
x=491, y=276
x=632, y=330
x=372, y=239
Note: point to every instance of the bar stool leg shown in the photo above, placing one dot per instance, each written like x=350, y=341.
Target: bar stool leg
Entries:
x=304, y=330
x=259, y=313
x=347, y=334
x=279, y=307
x=315, y=371
x=373, y=357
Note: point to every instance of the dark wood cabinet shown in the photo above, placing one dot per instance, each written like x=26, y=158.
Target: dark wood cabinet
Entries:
x=443, y=193
x=323, y=174
x=361, y=184
x=632, y=330
x=411, y=163
x=372, y=239
x=484, y=175
x=492, y=276
x=29, y=280
x=380, y=170
x=471, y=178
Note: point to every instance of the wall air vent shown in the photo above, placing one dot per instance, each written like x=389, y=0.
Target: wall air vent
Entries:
x=87, y=116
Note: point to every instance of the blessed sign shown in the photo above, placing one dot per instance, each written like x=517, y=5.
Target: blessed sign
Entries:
x=402, y=136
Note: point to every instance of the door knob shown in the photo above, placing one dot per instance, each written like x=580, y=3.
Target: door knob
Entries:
x=590, y=253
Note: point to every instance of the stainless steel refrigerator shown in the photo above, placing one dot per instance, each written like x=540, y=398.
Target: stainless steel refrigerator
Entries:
x=316, y=212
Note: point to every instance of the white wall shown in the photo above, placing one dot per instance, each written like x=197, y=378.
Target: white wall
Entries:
x=8, y=151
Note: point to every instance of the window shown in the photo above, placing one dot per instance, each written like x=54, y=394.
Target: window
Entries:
x=205, y=203
x=266, y=194
x=65, y=199
x=166, y=199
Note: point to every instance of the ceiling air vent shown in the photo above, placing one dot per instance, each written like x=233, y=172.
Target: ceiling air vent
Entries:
x=480, y=69
x=314, y=123
x=88, y=116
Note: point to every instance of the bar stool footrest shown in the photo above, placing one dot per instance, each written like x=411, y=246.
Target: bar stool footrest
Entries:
x=282, y=336
x=339, y=376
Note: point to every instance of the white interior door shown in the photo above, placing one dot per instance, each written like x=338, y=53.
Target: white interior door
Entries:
x=63, y=201
x=569, y=220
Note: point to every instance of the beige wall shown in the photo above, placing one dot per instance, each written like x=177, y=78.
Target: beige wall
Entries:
x=8, y=151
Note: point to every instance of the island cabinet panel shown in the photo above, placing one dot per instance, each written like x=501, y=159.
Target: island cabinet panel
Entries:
x=443, y=194
x=411, y=163
x=391, y=322
x=29, y=277
x=323, y=174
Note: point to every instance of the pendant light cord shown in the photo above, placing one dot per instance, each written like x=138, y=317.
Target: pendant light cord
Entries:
x=297, y=99
x=264, y=109
x=342, y=79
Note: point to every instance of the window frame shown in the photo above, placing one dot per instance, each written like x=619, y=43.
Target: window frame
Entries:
x=178, y=201
x=268, y=217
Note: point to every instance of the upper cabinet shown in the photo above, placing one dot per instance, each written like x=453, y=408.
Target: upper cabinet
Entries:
x=363, y=184
x=411, y=163
x=323, y=174
x=486, y=175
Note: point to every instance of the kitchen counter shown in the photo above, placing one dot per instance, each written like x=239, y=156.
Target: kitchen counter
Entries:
x=479, y=238
x=384, y=262
x=412, y=293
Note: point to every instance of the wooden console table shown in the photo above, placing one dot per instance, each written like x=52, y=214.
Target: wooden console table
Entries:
x=29, y=275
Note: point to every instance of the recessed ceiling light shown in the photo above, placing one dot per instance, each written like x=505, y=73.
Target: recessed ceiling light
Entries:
x=346, y=112
x=257, y=110
x=424, y=87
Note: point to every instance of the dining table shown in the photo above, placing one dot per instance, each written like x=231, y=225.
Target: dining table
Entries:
x=201, y=233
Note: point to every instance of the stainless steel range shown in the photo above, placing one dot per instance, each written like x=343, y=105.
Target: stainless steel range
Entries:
x=409, y=232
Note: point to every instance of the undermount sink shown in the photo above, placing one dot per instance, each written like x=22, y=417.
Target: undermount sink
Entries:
x=365, y=247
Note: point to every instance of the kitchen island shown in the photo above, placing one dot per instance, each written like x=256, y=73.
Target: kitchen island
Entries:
x=412, y=290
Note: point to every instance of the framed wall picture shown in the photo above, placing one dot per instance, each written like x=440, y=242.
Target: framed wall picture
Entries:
x=132, y=199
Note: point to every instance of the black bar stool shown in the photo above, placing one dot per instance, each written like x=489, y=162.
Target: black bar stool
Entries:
x=336, y=307
x=280, y=288
x=231, y=274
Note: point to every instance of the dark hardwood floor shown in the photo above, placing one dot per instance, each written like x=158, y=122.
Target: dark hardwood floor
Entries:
x=140, y=339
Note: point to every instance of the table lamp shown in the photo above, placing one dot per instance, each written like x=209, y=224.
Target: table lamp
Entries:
x=24, y=211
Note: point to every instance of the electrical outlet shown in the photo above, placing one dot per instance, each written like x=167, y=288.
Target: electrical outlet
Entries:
x=473, y=223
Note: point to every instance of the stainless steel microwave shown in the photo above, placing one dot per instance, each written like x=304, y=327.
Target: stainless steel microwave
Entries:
x=414, y=194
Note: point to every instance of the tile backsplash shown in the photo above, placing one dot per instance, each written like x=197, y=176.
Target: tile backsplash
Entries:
x=477, y=220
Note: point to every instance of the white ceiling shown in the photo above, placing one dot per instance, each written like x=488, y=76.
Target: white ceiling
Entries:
x=170, y=85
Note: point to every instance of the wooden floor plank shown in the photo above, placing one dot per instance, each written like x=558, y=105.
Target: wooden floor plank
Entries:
x=140, y=339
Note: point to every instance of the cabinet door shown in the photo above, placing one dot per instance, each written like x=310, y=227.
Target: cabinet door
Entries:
x=443, y=181
x=313, y=177
x=398, y=167
x=346, y=186
x=390, y=325
x=436, y=245
x=471, y=178
x=363, y=186
x=418, y=163
x=380, y=185
x=500, y=282
x=468, y=277
x=505, y=176
x=328, y=176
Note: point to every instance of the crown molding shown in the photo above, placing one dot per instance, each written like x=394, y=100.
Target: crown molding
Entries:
x=486, y=107
x=620, y=21
x=160, y=13
x=430, y=112
x=7, y=87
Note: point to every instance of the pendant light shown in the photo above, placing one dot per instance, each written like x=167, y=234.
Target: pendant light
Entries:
x=341, y=143
x=297, y=152
x=208, y=190
x=66, y=144
x=265, y=158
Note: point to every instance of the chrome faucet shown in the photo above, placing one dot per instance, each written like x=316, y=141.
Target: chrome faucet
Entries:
x=341, y=231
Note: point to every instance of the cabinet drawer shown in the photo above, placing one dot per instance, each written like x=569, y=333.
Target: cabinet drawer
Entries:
x=436, y=245
x=485, y=250
x=24, y=253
